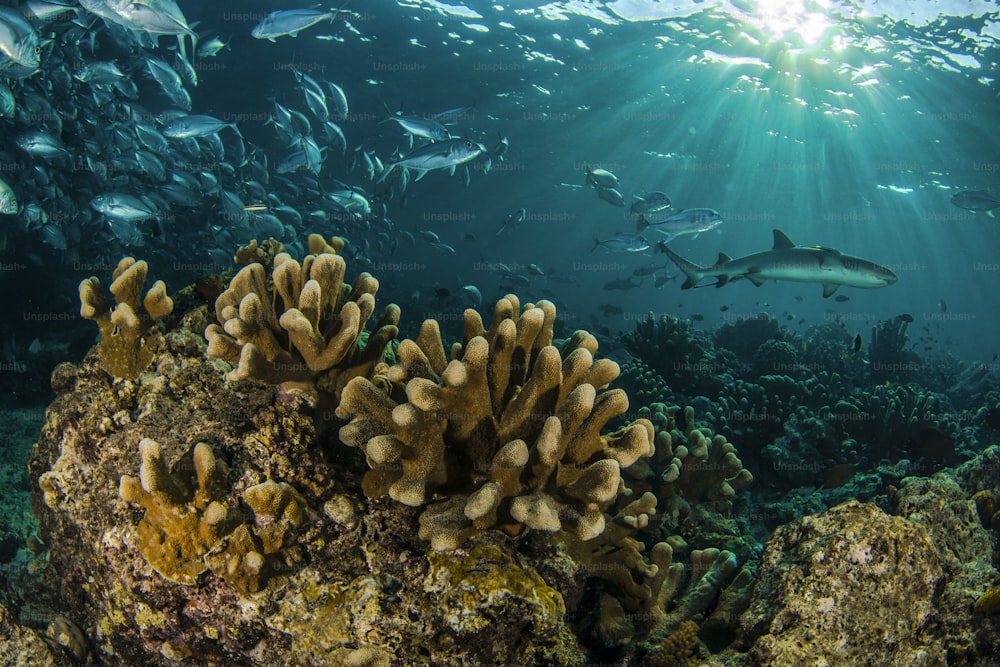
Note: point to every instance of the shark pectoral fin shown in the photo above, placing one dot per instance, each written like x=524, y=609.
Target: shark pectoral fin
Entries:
x=721, y=280
x=420, y=174
x=756, y=278
x=829, y=289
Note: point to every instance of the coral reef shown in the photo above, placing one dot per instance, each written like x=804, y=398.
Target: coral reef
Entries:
x=682, y=355
x=126, y=345
x=509, y=430
x=305, y=331
x=364, y=588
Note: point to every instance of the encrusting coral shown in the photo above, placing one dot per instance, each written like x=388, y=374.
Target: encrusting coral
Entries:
x=303, y=331
x=509, y=430
x=125, y=348
x=187, y=530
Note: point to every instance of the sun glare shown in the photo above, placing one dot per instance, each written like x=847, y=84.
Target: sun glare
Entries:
x=778, y=18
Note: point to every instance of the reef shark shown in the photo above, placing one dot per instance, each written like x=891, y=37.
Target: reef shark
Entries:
x=787, y=261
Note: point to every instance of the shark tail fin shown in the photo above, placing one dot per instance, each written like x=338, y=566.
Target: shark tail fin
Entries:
x=692, y=271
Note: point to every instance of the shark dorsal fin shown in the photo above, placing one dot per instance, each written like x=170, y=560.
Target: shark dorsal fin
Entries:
x=781, y=240
x=723, y=259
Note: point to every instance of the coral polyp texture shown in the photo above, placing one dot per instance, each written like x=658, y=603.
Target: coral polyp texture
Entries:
x=125, y=347
x=301, y=327
x=508, y=431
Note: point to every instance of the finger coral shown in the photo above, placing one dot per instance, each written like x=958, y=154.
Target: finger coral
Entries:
x=125, y=348
x=188, y=529
x=302, y=329
x=509, y=429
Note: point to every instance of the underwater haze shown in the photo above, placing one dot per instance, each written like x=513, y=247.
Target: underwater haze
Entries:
x=849, y=125
x=846, y=125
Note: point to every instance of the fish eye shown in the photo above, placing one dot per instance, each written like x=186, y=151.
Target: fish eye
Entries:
x=38, y=50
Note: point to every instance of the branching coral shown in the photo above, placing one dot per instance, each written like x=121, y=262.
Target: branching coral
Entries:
x=187, y=529
x=304, y=331
x=125, y=348
x=691, y=466
x=509, y=430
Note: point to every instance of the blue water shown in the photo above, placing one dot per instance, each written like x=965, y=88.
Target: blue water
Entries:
x=849, y=127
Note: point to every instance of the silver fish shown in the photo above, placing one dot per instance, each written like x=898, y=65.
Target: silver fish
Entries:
x=421, y=127
x=438, y=155
x=601, y=178
x=289, y=22
x=685, y=221
x=122, y=206
x=18, y=39
x=195, y=126
x=8, y=200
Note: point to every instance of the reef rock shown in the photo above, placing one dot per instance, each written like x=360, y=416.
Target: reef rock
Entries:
x=854, y=585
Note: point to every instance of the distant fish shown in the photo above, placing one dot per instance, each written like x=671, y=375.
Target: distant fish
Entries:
x=857, y=343
x=905, y=317
x=502, y=145
x=474, y=291
x=438, y=155
x=837, y=476
x=942, y=305
x=601, y=178
x=650, y=202
x=622, y=242
x=610, y=195
x=419, y=126
x=686, y=221
x=8, y=200
x=840, y=298
x=195, y=126
x=211, y=47
x=662, y=280
x=289, y=22
x=513, y=219
x=975, y=200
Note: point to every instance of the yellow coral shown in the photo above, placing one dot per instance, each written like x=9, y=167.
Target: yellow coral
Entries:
x=124, y=348
x=303, y=331
x=187, y=529
x=677, y=650
x=510, y=425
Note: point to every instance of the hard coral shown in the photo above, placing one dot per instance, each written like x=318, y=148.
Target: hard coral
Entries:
x=125, y=348
x=303, y=331
x=509, y=429
x=187, y=529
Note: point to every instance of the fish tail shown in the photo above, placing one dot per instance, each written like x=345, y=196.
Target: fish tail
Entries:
x=693, y=272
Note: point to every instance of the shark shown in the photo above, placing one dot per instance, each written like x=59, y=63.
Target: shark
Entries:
x=787, y=261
